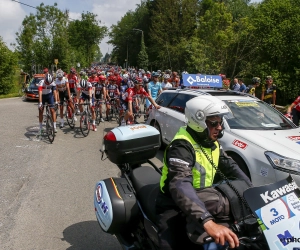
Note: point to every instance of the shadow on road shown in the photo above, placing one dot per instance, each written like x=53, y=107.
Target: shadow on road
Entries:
x=87, y=235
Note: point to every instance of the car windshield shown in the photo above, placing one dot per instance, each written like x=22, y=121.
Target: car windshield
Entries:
x=255, y=115
x=34, y=83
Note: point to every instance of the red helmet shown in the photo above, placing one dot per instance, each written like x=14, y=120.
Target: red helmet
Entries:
x=138, y=80
x=101, y=78
x=114, y=78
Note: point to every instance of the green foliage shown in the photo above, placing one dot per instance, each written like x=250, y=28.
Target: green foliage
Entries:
x=49, y=35
x=8, y=67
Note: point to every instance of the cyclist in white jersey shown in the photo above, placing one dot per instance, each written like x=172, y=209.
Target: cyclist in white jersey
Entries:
x=47, y=93
x=63, y=89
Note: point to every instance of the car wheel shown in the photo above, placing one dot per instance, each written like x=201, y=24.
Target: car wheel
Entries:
x=156, y=125
x=240, y=163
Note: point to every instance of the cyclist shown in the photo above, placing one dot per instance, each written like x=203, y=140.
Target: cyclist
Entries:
x=166, y=84
x=136, y=91
x=112, y=94
x=73, y=80
x=154, y=89
x=251, y=88
x=100, y=93
x=86, y=90
x=63, y=89
x=268, y=93
x=83, y=75
x=47, y=93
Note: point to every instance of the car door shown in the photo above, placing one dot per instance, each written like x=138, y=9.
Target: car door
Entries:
x=161, y=115
x=175, y=115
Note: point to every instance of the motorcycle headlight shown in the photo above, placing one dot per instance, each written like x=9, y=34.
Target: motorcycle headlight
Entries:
x=283, y=163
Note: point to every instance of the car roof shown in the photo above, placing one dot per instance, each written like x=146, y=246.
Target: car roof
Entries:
x=222, y=94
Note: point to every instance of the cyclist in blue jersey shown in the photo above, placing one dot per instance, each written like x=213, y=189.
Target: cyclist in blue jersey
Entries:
x=154, y=89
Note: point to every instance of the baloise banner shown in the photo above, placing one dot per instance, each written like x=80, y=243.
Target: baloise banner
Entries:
x=202, y=81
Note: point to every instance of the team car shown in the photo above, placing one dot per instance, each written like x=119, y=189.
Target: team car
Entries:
x=264, y=143
x=31, y=91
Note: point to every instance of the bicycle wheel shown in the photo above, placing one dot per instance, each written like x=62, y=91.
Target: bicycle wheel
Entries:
x=50, y=128
x=98, y=118
x=116, y=114
x=85, y=123
x=70, y=117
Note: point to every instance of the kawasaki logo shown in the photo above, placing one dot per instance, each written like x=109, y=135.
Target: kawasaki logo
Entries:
x=278, y=192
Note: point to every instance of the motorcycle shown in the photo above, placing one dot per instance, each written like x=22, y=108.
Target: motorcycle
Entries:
x=125, y=205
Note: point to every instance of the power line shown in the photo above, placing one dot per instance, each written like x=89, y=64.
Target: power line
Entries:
x=34, y=7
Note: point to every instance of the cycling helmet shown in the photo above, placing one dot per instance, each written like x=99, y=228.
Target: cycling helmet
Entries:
x=269, y=78
x=73, y=71
x=199, y=108
x=83, y=83
x=166, y=76
x=256, y=80
x=113, y=78
x=48, y=79
x=60, y=74
x=101, y=78
x=125, y=76
x=130, y=84
x=82, y=73
x=138, y=80
x=155, y=74
x=94, y=72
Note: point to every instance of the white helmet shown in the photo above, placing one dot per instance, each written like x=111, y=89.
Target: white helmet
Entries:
x=201, y=107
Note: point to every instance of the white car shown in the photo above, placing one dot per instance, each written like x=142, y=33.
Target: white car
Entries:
x=264, y=143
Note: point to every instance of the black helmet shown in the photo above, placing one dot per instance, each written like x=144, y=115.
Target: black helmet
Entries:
x=256, y=80
x=83, y=83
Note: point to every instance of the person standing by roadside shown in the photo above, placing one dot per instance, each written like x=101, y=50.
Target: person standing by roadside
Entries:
x=166, y=84
x=268, y=94
x=236, y=85
x=242, y=86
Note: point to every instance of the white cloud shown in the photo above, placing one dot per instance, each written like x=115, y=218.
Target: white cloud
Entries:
x=11, y=17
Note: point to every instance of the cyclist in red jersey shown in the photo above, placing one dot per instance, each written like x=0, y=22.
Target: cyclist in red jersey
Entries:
x=294, y=111
x=73, y=80
x=130, y=94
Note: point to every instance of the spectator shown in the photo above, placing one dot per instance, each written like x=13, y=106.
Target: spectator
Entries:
x=242, y=86
x=251, y=88
x=236, y=85
x=165, y=84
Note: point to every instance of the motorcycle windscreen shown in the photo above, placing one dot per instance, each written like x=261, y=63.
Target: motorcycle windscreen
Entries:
x=277, y=207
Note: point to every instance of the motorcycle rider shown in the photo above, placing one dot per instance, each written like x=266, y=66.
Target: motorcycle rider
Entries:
x=186, y=168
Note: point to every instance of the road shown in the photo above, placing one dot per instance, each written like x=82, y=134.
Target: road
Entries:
x=46, y=190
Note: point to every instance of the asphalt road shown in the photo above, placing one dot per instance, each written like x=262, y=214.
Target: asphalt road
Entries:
x=46, y=190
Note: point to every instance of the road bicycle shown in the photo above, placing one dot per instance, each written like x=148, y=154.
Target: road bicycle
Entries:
x=98, y=110
x=48, y=130
x=114, y=110
x=136, y=114
x=85, y=119
x=70, y=116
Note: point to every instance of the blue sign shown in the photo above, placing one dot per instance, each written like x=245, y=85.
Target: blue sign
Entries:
x=202, y=81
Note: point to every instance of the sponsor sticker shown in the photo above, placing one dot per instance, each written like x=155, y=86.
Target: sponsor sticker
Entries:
x=246, y=104
x=294, y=138
x=239, y=144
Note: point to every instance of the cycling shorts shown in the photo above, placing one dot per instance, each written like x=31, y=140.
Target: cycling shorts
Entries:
x=86, y=97
x=63, y=95
x=125, y=107
x=73, y=91
x=49, y=99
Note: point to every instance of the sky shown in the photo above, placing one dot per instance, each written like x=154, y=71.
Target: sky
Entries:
x=109, y=12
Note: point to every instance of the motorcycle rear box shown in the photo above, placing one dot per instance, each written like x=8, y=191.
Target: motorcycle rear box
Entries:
x=131, y=144
x=115, y=204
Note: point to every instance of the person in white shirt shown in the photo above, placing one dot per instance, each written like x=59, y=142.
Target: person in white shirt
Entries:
x=166, y=84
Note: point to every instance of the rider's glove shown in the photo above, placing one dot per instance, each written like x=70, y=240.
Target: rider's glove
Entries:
x=40, y=105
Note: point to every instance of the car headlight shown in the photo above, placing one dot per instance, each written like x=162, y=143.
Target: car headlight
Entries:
x=283, y=163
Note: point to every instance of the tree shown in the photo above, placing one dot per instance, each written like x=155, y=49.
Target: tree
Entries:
x=142, y=56
x=85, y=36
x=8, y=65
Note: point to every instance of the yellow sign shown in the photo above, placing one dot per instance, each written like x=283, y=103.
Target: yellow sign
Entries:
x=247, y=104
x=56, y=61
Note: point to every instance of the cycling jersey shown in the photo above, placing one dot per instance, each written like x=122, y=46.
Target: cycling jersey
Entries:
x=72, y=79
x=297, y=103
x=99, y=89
x=134, y=93
x=46, y=89
x=268, y=91
x=154, y=89
x=61, y=85
x=86, y=89
x=112, y=90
